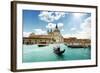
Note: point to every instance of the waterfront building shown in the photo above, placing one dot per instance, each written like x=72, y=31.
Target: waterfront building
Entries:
x=54, y=36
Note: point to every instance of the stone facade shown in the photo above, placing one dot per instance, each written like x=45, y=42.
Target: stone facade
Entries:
x=75, y=41
x=52, y=37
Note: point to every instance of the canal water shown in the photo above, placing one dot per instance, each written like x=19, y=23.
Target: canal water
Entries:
x=33, y=53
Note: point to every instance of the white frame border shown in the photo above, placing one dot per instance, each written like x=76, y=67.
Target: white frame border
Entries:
x=36, y=65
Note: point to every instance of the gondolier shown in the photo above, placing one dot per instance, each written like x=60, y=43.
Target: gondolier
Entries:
x=58, y=51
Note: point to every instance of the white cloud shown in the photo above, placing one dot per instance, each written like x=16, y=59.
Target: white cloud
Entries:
x=46, y=16
x=58, y=15
x=26, y=34
x=86, y=23
x=79, y=36
x=39, y=31
x=62, y=29
x=73, y=29
x=51, y=16
x=86, y=27
x=85, y=31
x=60, y=25
x=78, y=15
x=51, y=26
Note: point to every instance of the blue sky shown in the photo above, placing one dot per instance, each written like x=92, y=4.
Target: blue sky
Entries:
x=72, y=24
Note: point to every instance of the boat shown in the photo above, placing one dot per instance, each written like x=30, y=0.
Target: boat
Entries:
x=79, y=46
x=42, y=45
x=58, y=51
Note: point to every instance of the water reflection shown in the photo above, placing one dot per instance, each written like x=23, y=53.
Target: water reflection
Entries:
x=60, y=57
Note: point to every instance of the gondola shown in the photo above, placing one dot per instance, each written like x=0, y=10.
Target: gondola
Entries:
x=58, y=51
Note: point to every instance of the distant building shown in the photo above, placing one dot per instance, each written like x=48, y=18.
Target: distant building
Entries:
x=54, y=36
x=75, y=41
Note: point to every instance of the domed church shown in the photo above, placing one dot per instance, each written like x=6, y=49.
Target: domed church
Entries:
x=53, y=36
x=56, y=35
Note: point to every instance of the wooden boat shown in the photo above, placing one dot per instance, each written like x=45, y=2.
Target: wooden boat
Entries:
x=58, y=51
x=79, y=46
x=42, y=45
